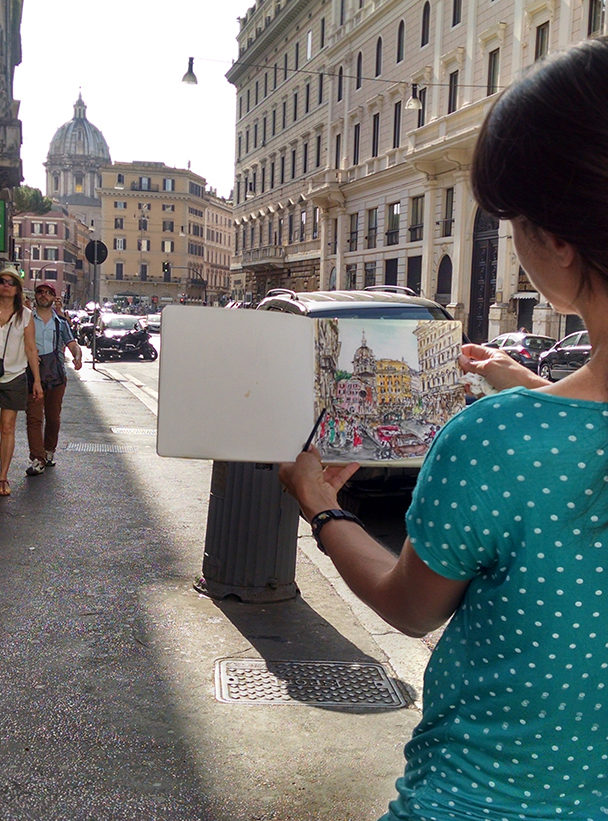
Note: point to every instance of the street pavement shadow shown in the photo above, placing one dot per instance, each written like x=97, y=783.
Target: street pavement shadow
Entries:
x=108, y=707
x=295, y=631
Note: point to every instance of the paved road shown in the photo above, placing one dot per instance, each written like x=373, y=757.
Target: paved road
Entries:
x=108, y=682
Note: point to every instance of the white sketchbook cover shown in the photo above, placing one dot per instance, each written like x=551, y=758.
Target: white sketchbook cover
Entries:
x=247, y=386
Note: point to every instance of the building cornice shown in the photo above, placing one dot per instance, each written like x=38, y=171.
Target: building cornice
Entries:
x=265, y=37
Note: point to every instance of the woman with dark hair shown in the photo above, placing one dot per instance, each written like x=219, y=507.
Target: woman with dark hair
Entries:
x=17, y=350
x=508, y=527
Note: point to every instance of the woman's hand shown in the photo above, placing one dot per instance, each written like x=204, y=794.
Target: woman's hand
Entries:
x=314, y=486
x=498, y=368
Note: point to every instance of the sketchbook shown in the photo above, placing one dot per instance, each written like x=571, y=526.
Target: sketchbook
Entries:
x=248, y=386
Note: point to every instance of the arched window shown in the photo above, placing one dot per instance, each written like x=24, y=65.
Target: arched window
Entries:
x=401, y=42
x=444, y=281
x=426, y=24
x=340, y=83
x=379, y=57
x=359, y=70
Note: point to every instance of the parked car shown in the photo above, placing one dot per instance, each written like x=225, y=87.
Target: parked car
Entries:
x=522, y=347
x=153, y=323
x=116, y=325
x=377, y=302
x=565, y=357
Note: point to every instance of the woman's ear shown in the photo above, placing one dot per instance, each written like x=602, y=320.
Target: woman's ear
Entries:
x=565, y=253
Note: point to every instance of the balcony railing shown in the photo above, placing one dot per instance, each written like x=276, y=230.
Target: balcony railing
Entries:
x=267, y=255
x=392, y=237
x=416, y=232
x=445, y=227
x=136, y=186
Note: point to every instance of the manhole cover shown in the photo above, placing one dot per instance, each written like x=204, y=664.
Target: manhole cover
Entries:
x=97, y=447
x=135, y=431
x=323, y=683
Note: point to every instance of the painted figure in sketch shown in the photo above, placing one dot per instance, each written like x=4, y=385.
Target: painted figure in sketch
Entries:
x=386, y=386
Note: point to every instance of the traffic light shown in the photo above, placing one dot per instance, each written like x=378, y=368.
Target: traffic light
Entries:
x=166, y=267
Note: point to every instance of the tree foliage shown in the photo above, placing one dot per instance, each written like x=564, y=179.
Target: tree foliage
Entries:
x=339, y=374
x=31, y=200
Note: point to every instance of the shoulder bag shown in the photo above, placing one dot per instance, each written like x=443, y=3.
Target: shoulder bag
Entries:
x=52, y=370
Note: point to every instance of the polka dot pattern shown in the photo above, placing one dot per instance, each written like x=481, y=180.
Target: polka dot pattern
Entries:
x=513, y=497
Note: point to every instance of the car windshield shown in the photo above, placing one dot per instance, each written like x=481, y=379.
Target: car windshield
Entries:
x=538, y=343
x=380, y=312
x=119, y=322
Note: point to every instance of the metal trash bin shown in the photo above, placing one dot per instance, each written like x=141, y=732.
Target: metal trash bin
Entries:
x=251, y=537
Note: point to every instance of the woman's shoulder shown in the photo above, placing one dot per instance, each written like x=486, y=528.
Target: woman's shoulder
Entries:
x=26, y=316
x=495, y=405
x=518, y=407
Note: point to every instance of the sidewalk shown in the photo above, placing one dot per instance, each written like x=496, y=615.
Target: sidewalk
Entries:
x=110, y=680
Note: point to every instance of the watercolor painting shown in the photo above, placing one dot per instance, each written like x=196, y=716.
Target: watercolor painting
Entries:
x=387, y=386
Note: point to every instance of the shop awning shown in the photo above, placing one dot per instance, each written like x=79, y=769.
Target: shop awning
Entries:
x=525, y=295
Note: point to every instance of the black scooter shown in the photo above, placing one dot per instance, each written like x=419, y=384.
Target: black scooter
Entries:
x=133, y=345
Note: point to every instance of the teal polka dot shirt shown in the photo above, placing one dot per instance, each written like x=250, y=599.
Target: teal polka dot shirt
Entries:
x=513, y=495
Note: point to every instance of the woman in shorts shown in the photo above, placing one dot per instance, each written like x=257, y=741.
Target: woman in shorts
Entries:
x=17, y=350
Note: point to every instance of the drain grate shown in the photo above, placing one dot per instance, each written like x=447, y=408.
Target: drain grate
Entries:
x=323, y=683
x=135, y=431
x=97, y=447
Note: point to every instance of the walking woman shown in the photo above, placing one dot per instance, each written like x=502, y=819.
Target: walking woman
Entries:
x=508, y=527
x=17, y=350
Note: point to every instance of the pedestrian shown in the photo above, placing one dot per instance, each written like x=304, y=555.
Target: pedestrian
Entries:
x=17, y=350
x=53, y=335
x=508, y=526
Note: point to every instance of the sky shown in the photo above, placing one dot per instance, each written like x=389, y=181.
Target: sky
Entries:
x=388, y=339
x=127, y=58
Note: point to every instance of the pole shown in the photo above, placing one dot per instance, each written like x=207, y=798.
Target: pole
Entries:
x=95, y=313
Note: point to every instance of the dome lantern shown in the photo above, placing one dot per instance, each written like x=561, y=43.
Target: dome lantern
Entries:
x=76, y=154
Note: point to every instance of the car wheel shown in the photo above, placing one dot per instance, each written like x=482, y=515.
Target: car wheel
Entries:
x=545, y=372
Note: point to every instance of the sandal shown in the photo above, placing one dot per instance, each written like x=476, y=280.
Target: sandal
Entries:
x=5, y=488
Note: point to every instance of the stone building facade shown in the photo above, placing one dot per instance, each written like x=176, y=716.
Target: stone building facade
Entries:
x=342, y=179
x=50, y=247
x=10, y=126
x=169, y=237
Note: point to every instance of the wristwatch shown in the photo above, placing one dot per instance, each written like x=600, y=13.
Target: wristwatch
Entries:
x=317, y=522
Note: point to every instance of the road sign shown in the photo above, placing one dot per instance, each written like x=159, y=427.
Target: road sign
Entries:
x=96, y=252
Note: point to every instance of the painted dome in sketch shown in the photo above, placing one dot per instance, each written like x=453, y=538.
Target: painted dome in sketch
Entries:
x=77, y=153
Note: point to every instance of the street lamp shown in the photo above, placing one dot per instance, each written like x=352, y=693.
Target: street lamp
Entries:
x=38, y=271
x=414, y=103
x=190, y=77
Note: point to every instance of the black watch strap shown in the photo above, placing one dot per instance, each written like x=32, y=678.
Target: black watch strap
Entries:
x=317, y=522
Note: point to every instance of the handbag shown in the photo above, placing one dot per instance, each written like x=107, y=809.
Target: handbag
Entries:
x=52, y=371
x=4, y=351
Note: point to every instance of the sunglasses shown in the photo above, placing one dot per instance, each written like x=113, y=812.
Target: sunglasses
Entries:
x=9, y=281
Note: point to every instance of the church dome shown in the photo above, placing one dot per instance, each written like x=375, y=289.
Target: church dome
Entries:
x=79, y=138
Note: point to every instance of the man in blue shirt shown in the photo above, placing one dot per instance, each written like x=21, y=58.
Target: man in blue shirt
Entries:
x=43, y=416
